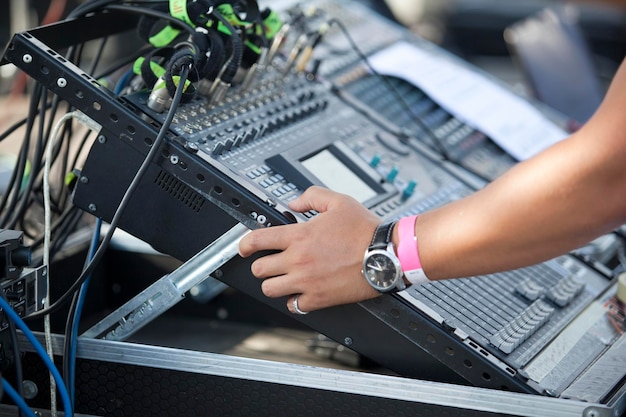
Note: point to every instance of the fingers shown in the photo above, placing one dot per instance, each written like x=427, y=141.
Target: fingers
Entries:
x=318, y=259
x=279, y=237
x=271, y=238
x=316, y=198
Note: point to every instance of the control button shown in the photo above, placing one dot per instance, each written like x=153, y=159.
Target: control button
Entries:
x=565, y=290
x=375, y=161
x=217, y=149
x=409, y=190
x=391, y=176
x=248, y=136
x=530, y=289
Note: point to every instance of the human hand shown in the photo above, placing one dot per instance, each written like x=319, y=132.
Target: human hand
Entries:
x=319, y=260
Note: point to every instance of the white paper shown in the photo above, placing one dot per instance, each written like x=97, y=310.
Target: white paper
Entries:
x=509, y=120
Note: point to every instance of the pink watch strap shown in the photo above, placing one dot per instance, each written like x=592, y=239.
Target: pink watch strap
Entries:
x=408, y=253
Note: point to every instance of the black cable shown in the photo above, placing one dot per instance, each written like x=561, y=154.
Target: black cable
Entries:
x=88, y=7
x=33, y=188
x=68, y=335
x=12, y=129
x=58, y=223
x=237, y=54
x=92, y=6
x=65, y=230
x=123, y=203
x=152, y=13
x=35, y=167
x=14, y=188
x=18, y=171
x=122, y=63
x=182, y=58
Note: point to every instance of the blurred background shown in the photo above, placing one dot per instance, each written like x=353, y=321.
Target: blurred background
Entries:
x=472, y=29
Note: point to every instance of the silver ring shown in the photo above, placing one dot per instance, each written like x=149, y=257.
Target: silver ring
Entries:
x=294, y=304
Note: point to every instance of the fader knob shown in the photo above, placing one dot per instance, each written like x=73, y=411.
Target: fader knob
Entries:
x=393, y=173
x=409, y=190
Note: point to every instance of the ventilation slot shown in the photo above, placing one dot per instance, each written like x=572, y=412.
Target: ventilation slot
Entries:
x=180, y=191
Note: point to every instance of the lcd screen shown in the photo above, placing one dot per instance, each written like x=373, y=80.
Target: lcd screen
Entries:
x=335, y=175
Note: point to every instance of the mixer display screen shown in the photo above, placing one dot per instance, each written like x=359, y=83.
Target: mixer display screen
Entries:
x=337, y=176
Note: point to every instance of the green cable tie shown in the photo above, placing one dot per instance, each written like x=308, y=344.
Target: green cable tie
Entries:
x=178, y=9
x=70, y=179
x=157, y=69
x=164, y=37
x=272, y=24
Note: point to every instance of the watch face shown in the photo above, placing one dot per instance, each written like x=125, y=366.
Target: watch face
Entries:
x=381, y=270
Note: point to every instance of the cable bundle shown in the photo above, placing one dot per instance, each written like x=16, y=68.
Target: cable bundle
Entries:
x=226, y=37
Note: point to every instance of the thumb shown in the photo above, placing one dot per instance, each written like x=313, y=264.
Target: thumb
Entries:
x=314, y=198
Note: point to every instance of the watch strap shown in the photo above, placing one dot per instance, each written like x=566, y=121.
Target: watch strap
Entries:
x=408, y=252
x=382, y=235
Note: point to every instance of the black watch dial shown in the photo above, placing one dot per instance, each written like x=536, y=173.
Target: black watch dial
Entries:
x=381, y=270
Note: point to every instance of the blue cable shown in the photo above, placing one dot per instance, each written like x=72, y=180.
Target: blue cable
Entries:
x=17, y=399
x=79, y=307
x=123, y=82
x=8, y=310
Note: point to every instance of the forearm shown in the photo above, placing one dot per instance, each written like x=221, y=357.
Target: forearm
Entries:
x=542, y=208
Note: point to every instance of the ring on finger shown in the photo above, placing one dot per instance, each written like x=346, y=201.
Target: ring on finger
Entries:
x=295, y=306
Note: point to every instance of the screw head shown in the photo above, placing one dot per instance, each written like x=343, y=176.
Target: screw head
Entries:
x=30, y=389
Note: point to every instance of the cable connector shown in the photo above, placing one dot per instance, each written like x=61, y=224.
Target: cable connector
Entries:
x=218, y=91
x=83, y=119
x=277, y=42
x=308, y=50
x=295, y=52
x=256, y=68
x=159, y=99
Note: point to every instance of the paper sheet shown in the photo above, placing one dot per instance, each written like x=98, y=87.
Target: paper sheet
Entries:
x=510, y=121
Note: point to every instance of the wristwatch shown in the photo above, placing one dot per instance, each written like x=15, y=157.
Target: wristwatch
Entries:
x=381, y=266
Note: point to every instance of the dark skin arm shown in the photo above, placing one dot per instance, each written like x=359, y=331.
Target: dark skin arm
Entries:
x=555, y=202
